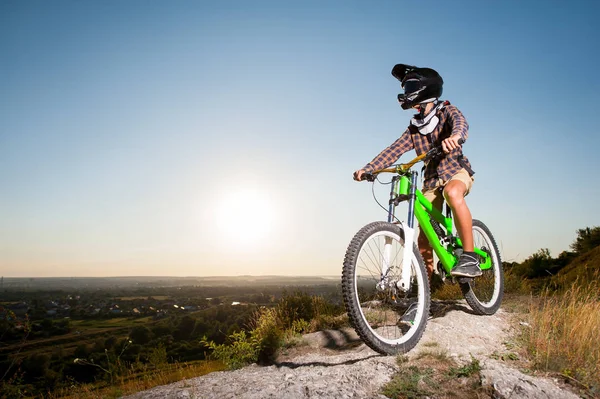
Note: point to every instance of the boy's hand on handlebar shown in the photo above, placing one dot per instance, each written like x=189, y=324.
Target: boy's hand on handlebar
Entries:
x=358, y=175
x=451, y=143
x=361, y=175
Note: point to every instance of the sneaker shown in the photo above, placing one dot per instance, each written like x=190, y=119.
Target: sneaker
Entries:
x=467, y=266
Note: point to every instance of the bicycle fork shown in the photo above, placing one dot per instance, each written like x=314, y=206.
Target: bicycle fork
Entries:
x=401, y=191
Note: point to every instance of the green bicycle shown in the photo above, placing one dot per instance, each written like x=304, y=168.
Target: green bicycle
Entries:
x=384, y=274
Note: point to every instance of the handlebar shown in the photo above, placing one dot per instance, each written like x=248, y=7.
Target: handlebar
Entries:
x=435, y=152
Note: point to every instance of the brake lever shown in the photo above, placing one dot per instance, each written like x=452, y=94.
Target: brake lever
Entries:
x=439, y=151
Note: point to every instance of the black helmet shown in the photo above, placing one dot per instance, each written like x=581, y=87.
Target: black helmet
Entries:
x=419, y=84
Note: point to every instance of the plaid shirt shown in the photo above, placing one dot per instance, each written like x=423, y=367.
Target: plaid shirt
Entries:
x=437, y=171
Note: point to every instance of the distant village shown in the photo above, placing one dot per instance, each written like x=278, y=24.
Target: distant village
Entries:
x=82, y=307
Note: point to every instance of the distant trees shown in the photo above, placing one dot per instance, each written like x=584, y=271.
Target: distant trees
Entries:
x=140, y=335
x=536, y=265
x=587, y=239
x=185, y=328
x=542, y=264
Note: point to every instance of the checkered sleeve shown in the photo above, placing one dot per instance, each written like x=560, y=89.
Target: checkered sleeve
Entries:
x=458, y=122
x=391, y=154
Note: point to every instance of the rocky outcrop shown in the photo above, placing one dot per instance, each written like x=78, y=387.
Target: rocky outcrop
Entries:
x=335, y=364
x=510, y=383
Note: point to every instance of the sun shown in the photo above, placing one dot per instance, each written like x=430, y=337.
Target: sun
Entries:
x=245, y=217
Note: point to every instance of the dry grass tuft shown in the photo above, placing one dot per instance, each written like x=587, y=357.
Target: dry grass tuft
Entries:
x=564, y=331
x=434, y=374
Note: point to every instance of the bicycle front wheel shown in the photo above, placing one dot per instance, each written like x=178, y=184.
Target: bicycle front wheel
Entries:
x=484, y=294
x=387, y=319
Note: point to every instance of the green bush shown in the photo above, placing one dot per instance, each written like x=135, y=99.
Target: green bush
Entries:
x=302, y=306
x=267, y=334
x=270, y=328
x=328, y=322
x=240, y=351
x=260, y=345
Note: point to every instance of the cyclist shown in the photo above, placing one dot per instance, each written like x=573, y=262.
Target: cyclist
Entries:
x=451, y=177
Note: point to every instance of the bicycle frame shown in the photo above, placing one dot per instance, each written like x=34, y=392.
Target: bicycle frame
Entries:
x=403, y=188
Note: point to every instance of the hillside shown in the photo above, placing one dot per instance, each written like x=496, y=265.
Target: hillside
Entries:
x=335, y=364
x=584, y=267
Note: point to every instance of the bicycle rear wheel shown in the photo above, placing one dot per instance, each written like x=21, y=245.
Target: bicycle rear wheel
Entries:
x=387, y=319
x=484, y=294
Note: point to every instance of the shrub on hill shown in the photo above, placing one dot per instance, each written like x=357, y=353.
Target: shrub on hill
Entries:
x=587, y=239
x=269, y=328
x=584, y=269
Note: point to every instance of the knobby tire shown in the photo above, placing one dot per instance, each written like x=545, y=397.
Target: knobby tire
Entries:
x=389, y=304
x=484, y=294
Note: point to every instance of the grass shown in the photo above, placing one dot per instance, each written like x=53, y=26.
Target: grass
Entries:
x=513, y=284
x=123, y=322
x=83, y=332
x=432, y=351
x=135, y=381
x=412, y=382
x=561, y=329
x=448, y=292
x=563, y=332
x=432, y=373
x=467, y=370
x=516, y=285
x=505, y=356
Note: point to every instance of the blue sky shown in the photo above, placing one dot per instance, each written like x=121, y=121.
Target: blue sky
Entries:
x=130, y=132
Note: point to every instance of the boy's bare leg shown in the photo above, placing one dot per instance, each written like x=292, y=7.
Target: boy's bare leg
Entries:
x=454, y=192
x=468, y=264
x=426, y=253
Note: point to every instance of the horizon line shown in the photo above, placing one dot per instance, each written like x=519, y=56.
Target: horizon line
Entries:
x=165, y=276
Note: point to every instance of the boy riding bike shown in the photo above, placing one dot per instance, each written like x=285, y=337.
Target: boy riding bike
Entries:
x=451, y=177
